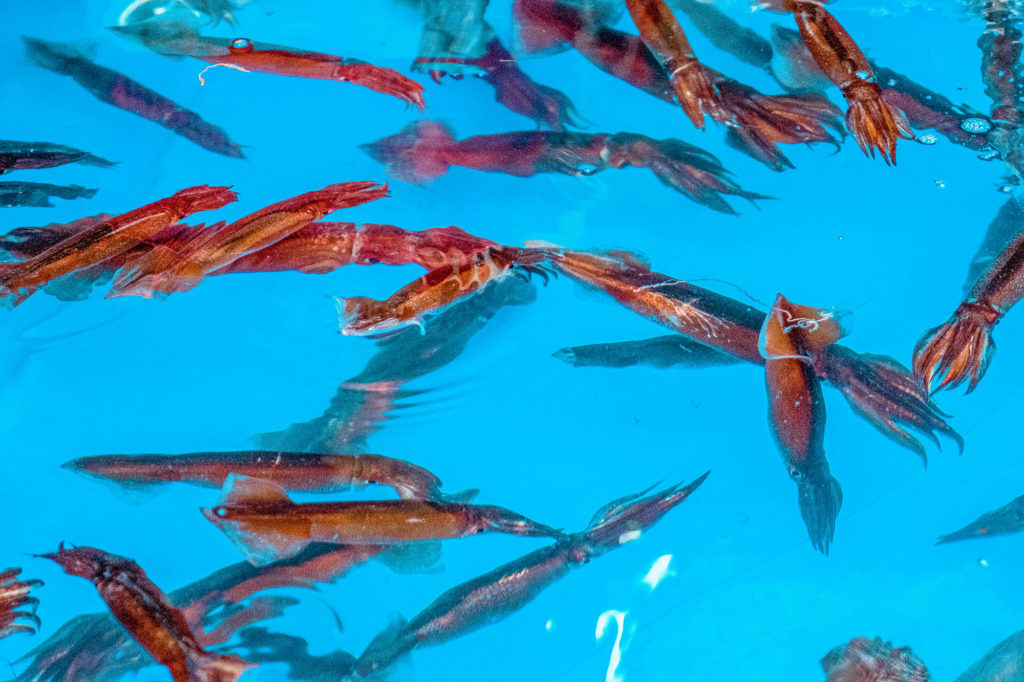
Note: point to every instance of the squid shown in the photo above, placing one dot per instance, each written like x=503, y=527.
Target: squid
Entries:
x=502, y=591
x=178, y=39
x=435, y=291
x=122, y=92
x=37, y=194
x=93, y=647
x=15, y=155
x=1002, y=521
x=1000, y=663
x=107, y=239
x=364, y=401
x=755, y=122
x=425, y=150
x=796, y=410
x=181, y=263
x=145, y=612
x=961, y=349
x=874, y=122
x=513, y=88
x=873, y=660
x=261, y=520
x=294, y=471
x=17, y=605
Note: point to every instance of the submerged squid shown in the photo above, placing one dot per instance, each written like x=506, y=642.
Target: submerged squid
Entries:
x=15, y=598
x=501, y=592
x=267, y=526
x=37, y=194
x=15, y=155
x=108, y=238
x=145, y=612
x=295, y=471
x=962, y=348
x=124, y=93
x=426, y=149
x=181, y=263
x=874, y=122
x=178, y=39
x=873, y=660
x=796, y=410
x=1002, y=521
x=435, y=291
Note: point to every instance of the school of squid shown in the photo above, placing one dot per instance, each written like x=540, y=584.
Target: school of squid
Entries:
x=215, y=629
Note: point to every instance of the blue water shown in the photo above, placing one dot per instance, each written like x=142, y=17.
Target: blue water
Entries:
x=747, y=598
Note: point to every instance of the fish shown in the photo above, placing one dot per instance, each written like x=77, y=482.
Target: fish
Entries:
x=145, y=612
x=499, y=593
x=426, y=149
x=261, y=520
x=293, y=471
x=122, y=92
x=37, y=194
x=873, y=660
x=1002, y=521
x=17, y=605
x=17, y=155
x=179, y=39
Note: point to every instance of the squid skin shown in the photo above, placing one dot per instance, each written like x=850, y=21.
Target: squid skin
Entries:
x=873, y=660
x=874, y=123
x=182, y=263
x=1002, y=521
x=513, y=88
x=796, y=414
x=94, y=647
x=425, y=150
x=108, y=238
x=145, y=612
x=962, y=348
x=501, y=592
x=435, y=291
x=16, y=155
x=664, y=37
x=122, y=92
x=294, y=471
x=259, y=518
x=877, y=387
x=17, y=605
x=38, y=194
x=177, y=39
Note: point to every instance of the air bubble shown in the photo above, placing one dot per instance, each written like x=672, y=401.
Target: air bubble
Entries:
x=863, y=75
x=975, y=125
x=927, y=138
x=940, y=184
x=988, y=153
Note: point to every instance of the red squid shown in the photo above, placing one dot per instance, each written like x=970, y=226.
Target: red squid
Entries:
x=504, y=590
x=295, y=471
x=17, y=605
x=425, y=150
x=176, y=39
x=873, y=660
x=107, y=239
x=874, y=122
x=182, y=262
x=962, y=348
x=144, y=610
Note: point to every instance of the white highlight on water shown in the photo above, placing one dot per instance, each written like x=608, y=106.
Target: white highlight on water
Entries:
x=616, y=656
x=659, y=571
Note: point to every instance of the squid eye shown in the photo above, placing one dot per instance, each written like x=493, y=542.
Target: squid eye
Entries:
x=221, y=511
x=241, y=45
x=795, y=473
